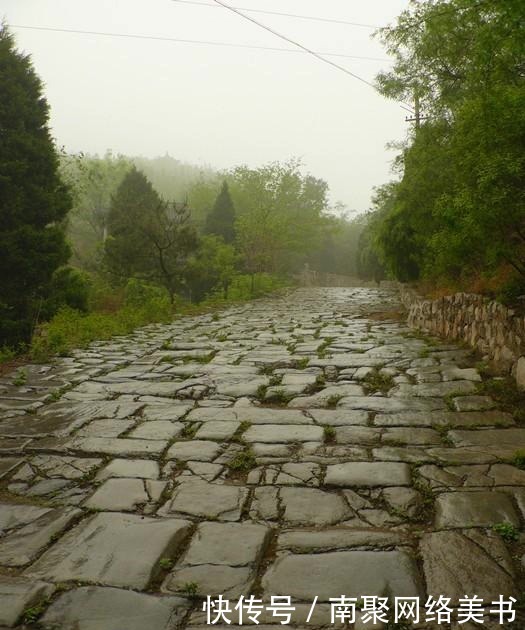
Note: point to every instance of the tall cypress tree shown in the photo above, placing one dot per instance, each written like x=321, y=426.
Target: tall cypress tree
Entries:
x=221, y=219
x=33, y=199
x=129, y=250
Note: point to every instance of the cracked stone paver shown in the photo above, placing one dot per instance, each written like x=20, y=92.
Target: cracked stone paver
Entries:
x=306, y=444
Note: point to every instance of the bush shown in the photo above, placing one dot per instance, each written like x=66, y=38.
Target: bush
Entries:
x=69, y=287
x=513, y=292
x=119, y=312
x=139, y=292
x=70, y=328
x=261, y=283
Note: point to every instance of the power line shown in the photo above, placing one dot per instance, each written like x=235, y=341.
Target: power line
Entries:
x=188, y=41
x=292, y=15
x=304, y=48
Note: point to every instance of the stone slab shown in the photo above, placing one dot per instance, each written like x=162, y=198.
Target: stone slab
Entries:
x=217, y=430
x=351, y=573
x=338, y=418
x=105, y=428
x=369, y=474
x=118, y=495
x=308, y=506
x=104, y=549
x=300, y=541
x=391, y=405
x=231, y=582
x=17, y=595
x=229, y=544
x=64, y=467
x=157, y=430
x=172, y=411
x=194, y=450
x=513, y=438
x=139, y=468
x=28, y=530
x=207, y=500
x=474, y=509
x=269, y=433
x=118, y=446
x=99, y=608
x=455, y=565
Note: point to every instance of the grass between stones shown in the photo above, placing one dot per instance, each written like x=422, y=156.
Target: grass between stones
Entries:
x=237, y=436
x=331, y=401
x=377, y=381
x=506, y=393
x=508, y=532
x=519, y=460
x=242, y=462
x=20, y=378
x=329, y=434
x=190, y=429
x=278, y=397
x=322, y=352
x=301, y=364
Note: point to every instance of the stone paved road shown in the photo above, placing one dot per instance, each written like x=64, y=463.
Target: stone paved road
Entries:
x=303, y=446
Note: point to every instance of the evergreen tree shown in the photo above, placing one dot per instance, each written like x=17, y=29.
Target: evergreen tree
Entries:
x=128, y=249
x=149, y=238
x=33, y=199
x=221, y=220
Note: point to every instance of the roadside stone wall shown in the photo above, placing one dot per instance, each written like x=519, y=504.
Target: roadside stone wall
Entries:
x=493, y=329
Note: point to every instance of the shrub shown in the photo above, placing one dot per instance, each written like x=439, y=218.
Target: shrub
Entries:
x=139, y=292
x=69, y=287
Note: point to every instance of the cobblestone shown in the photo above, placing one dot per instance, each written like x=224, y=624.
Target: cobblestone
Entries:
x=275, y=468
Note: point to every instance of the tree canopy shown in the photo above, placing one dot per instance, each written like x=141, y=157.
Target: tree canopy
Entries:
x=33, y=199
x=458, y=209
x=221, y=220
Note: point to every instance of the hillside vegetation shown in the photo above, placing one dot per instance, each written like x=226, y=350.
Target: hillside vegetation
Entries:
x=455, y=216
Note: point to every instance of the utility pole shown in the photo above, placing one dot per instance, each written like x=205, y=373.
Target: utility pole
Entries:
x=418, y=117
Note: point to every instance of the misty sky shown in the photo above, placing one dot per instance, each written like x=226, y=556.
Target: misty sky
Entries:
x=216, y=105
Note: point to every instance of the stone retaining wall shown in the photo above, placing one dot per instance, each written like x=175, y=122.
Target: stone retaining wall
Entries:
x=493, y=329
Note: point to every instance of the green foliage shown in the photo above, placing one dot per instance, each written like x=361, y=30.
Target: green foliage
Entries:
x=507, y=531
x=519, y=460
x=93, y=181
x=20, y=377
x=33, y=199
x=331, y=401
x=139, y=292
x=221, y=219
x=165, y=564
x=69, y=287
x=278, y=397
x=458, y=209
x=189, y=430
x=211, y=267
x=378, y=381
x=70, y=329
x=243, y=461
x=506, y=393
x=6, y=354
x=148, y=238
x=280, y=213
x=190, y=589
x=329, y=434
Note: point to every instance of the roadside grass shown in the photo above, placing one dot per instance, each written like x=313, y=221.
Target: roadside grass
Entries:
x=505, y=392
x=112, y=316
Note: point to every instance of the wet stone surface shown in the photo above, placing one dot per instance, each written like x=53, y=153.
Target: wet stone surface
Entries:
x=307, y=444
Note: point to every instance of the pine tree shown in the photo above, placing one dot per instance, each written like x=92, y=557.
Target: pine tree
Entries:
x=128, y=249
x=220, y=221
x=149, y=238
x=33, y=199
